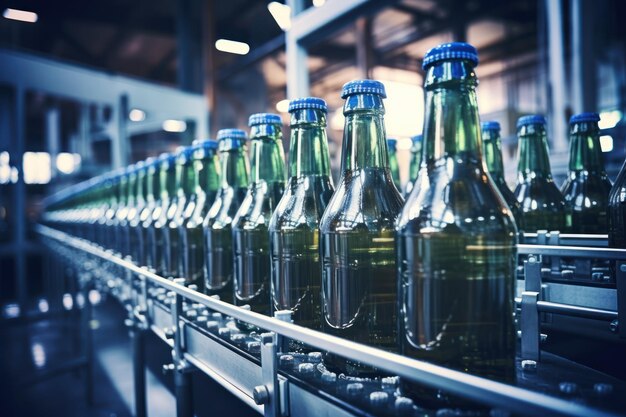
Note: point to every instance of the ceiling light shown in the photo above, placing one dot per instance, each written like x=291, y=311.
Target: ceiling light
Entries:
x=319, y=3
x=232, y=47
x=281, y=14
x=137, y=115
x=608, y=119
x=21, y=15
x=282, y=106
x=67, y=162
x=174, y=126
x=606, y=143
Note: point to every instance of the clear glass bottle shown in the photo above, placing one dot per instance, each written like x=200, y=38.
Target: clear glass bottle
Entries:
x=542, y=204
x=205, y=178
x=414, y=167
x=357, y=232
x=217, y=226
x=492, y=153
x=294, y=226
x=587, y=187
x=456, y=236
x=250, y=225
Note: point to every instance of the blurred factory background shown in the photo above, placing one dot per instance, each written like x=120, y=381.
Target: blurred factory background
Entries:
x=90, y=86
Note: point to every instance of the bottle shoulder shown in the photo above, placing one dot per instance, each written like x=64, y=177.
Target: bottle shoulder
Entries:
x=258, y=205
x=223, y=210
x=365, y=199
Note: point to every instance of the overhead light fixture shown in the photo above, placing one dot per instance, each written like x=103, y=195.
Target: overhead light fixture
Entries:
x=137, y=115
x=282, y=106
x=319, y=3
x=232, y=47
x=21, y=15
x=606, y=143
x=608, y=119
x=174, y=126
x=281, y=14
x=36, y=167
x=67, y=162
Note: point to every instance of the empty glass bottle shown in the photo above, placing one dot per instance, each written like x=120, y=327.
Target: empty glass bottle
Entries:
x=294, y=226
x=218, y=242
x=205, y=183
x=456, y=236
x=414, y=167
x=357, y=232
x=250, y=225
x=542, y=204
x=152, y=193
x=617, y=211
x=157, y=233
x=586, y=189
x=492, y=152
x=138, y=191
x=392, y=146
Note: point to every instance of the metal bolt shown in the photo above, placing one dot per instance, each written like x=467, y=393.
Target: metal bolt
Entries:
x=529, y=365
x=614, y=326
x=260, y=395
x=603, y=389
x=568, y=388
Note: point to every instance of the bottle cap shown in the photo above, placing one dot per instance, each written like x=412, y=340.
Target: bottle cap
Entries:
x=392, y=143
x=140, y=165
x=416, y=139
x=264, y=118
x=308, y=103
x=490, y=125
x=363, y=87
x=167, y=157
x=150, y=162
x=231, y=134
x=584, y=118
x=130, y=169
x=205, y=144
x=459, y=51
x=532, y=119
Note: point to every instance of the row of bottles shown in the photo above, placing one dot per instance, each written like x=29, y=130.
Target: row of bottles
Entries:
x=432, y=277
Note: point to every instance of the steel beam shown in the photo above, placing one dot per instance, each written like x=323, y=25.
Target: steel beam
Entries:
x=582, y=56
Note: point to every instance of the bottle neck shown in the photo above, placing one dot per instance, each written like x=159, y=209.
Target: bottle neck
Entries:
x=585, y=152
x=451, y=127
x=132, y=189
x=207, y=171
x=533, y=153
x=234, y=168
x=190, y=179
x=492, y=152
x=152, y=184
x=267, y=161
x=167, y=183
x=123, y=191
x=416, y=160
x=364, y=138
x=308, y=154
x=141, y=187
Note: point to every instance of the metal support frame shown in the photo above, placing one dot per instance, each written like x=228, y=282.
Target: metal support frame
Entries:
x=556, y=67
x=516, y=400
x=582, y=56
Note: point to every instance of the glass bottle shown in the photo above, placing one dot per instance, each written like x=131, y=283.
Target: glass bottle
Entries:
x=217, y=226
x=492, y=152
x=110, y=215
x=542, y=204
x=205, y=179
x=392, y=146
x=456, y=236
x=137, y=194
x=617, y=211
x=586, y=189
x=157, y=233
x=294, y=226
x=357, y=232
x=250, y=225
x=414, y=167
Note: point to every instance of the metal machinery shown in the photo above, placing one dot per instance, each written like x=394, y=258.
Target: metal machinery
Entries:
x=256, y=369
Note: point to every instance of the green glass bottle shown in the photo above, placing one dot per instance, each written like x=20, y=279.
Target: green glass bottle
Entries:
x=205, y=178
x=108, y=211
x=137, y=189
x=119, y=216
x=250, y=225
x=617, y=211
x=456, y=236
x=542, y=204
x=294, y=227
x=357, y=232
x=392, y=147
x=492, y=152
x=145, y=218
x=217, y=226
x=414, y=167
x=157, y=232
x=587, y=187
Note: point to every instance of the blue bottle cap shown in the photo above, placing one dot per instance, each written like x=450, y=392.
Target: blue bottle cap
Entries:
x=532, y=119
x=205, y=144
x=585, y=118
x=167, y=157
x=140, y=165
x=417, y=138
x=188, y=151
x=490, y=125
x=129, y=169
x=459, y=51
x=392, y=143
x=308, y=103
x=264, y=118
x=150, y=162
x=231, y=134
x=363, y=87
